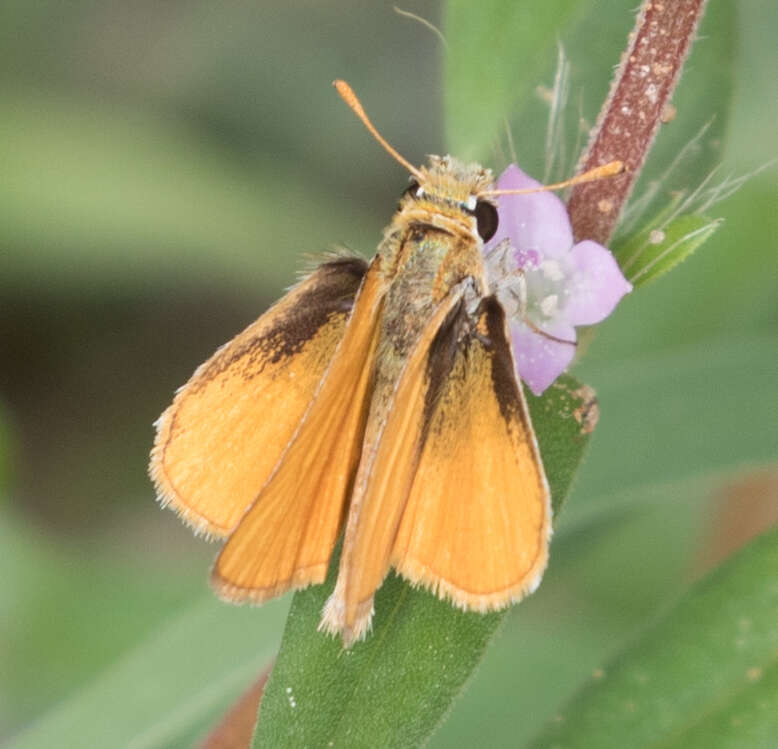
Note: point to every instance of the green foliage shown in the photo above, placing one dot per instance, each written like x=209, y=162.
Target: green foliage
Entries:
x=168, y=691
x=499, y=52
x=394, y=688
x=496, y=51
x=704, y=676
x=390, y=690
x=652, y=252
x=681, y=408
x=181, y=207
x=73, y=614
x=212, y=152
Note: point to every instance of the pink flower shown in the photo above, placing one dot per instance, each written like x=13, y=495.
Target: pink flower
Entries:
x=546, y=284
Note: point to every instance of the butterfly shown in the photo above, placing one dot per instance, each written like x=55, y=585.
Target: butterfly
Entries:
x=378, y=400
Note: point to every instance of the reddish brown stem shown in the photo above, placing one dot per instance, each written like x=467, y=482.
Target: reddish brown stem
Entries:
x=744, y=509
x=636, y=105
x=236, y=728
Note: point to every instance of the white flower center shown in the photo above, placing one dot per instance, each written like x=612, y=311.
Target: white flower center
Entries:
x=549, y=306
x=552, y=270
x=535, y=291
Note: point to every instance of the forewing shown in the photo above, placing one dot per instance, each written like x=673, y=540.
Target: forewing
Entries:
x=477, y=522
x=381, y=489
x=218, y=443
x=286, y=538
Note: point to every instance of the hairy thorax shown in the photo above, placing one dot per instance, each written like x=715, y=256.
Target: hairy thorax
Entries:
x=431, y=245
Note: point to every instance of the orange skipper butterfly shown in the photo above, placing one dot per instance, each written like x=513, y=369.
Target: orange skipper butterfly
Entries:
x=381, y=397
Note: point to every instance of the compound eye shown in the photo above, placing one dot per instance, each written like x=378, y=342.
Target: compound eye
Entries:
x=486, y=219
x=410, y=190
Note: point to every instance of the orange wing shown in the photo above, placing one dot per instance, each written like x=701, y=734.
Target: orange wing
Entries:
x=286, y=539
x=477, y=521
x=380, y=492
x=220, y=440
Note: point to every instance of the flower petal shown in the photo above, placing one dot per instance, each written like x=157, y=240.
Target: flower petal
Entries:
x=540, y=360
x=597, y=284
x=537, y=222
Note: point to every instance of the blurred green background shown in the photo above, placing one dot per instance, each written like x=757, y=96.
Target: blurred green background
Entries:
x=163, y=169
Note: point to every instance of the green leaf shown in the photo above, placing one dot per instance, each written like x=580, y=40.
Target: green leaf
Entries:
x=703, y=676
x=500, y=51
x=104, y=602
x=697, y=410
x=171, y=688
x=497, y=50
x=659, y=247
x=394, y=688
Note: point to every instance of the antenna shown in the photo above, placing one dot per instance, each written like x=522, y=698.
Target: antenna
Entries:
x=599, y=172
x=348, y=95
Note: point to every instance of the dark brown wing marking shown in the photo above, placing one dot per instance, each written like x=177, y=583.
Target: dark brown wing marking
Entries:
x=220, y=440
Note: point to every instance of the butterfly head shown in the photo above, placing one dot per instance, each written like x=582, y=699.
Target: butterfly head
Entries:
x=450, y=189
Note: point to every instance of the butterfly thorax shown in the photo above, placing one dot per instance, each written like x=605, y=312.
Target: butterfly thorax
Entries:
x=431, y=245
x=445, y=198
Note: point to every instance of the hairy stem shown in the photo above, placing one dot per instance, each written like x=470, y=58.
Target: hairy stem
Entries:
x=637, y=104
